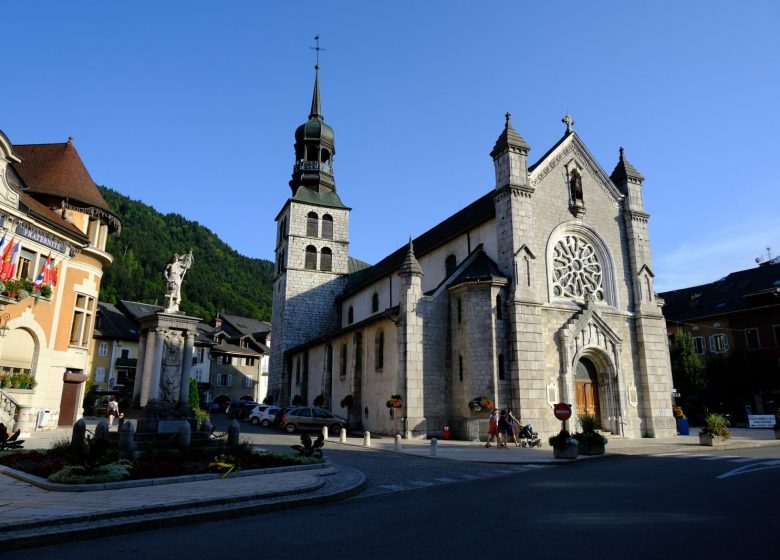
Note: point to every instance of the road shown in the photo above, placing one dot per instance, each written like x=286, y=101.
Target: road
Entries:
x=713, y=505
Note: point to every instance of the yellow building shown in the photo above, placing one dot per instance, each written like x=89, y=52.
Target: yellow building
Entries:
x=49, y=207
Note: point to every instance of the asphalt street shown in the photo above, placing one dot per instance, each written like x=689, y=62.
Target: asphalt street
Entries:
x=713, y=505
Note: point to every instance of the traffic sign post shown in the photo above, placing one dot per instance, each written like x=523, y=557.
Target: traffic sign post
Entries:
x=562, y=412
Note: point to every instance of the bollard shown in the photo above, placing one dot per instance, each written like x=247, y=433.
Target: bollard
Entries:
x=127, y=439
x=343, y=435
x=184, y=436
x=79, y=431
x=234, y=430
x=101, y=430
x=398, y=443
x=434, y=447
x=325, y=433
x=367, y=439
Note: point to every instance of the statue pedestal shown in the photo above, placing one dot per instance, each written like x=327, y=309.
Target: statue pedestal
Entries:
x=167, y=343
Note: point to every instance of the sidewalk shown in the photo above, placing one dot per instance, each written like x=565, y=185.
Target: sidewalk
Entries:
x=32, y=516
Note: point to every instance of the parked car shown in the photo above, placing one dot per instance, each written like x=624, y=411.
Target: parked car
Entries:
x=241, y=409
x=311, y=418
x=263, y=414
x=277, y=421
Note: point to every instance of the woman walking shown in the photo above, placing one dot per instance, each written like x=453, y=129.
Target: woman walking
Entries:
x=503, y=426
x=514, y=424
x=493, y=429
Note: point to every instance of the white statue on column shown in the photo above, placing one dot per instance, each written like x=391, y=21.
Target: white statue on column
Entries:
x=174, y=275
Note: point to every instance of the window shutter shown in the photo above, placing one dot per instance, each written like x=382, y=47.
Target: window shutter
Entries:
x=725, y=343
x=713, y=346
x=229, y=380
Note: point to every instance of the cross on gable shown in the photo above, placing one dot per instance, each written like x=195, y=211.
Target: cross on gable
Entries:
x=569, y=121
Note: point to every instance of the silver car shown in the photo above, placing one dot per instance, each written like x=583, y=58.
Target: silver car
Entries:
x=311, y=418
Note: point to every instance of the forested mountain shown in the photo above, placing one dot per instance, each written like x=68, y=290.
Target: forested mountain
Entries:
x=220, y=280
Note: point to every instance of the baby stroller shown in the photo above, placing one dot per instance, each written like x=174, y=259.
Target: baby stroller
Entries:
x=527, y=436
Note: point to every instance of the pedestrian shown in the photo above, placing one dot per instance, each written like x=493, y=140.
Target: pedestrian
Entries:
x=514, y=424
x=503, y=426
x=493, y=429
x=112, y=410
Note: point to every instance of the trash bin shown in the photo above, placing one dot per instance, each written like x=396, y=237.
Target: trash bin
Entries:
x=446, y=432
x=682, y=426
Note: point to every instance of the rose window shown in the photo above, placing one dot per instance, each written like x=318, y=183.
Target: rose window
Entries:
x=576, y=270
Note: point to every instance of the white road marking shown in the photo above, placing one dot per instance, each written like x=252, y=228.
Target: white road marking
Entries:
x=747, y=469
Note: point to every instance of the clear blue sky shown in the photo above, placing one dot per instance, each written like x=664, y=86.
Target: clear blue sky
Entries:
x=191, y=107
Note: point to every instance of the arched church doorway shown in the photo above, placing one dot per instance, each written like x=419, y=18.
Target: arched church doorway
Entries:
x=586, y=388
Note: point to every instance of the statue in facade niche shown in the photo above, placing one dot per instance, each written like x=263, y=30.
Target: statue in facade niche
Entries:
x=174, y=275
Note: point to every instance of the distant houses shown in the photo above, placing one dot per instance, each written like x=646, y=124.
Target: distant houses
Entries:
x=230, y=358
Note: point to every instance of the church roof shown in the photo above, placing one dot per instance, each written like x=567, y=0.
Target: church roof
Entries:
x=739, y=291
x=480, y=269
x=137, y=309
x=327, y=198
x=57, y=170
x=478, y=212
x=624, y=170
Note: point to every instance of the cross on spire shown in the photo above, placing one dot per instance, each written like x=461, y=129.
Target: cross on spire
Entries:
x=317, y=48
x=569, y=121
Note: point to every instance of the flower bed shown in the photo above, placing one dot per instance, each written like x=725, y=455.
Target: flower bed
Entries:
x=160, y=464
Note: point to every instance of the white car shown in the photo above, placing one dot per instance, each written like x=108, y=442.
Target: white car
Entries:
x=263, y=414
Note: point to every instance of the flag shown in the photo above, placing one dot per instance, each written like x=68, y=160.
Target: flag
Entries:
x=2, y=241
x=12, y=264
x=53, y=276
x=8, y=254
x=44, y=274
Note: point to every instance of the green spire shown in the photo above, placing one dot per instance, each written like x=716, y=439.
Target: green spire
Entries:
x=316, y=108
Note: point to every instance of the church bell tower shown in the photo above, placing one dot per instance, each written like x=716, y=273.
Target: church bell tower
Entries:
x=311, y=248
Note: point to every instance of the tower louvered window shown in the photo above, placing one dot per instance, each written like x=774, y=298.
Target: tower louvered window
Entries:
x=327, y=226
x=312, y=224
x=310, y=262
x=326, y=259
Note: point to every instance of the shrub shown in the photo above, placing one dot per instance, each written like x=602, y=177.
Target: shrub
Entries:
x=81, y=475
x=716, y=425
x=560, y=439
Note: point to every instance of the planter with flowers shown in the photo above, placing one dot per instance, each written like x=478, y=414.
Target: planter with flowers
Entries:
x=564, y=446
x=715, y=431
x=481, y=404
x=394, y=401
x=589, y=441
x=17, y=290
x=681, y=419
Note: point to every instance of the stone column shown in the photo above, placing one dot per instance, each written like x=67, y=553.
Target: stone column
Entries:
x=186, y=368
x=146, y=374
x=154, y=388
x=139, y=369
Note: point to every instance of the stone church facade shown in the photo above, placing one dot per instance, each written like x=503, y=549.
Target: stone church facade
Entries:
x=540, y=291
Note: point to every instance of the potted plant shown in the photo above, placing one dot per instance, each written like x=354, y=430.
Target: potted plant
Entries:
x=481, y=403
x=319, y=400
x=564, y=446
x=589, y=441
x=394, y=401
x=715, y=430
x=297, y=400
x=347, y=401
x=681, y=419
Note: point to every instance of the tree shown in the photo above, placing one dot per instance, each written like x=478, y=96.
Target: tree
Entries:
x=687, y=368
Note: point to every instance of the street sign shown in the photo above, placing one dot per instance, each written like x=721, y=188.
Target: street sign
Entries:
x=562, y=411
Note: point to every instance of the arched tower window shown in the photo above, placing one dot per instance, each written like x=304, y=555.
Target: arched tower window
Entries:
x=327, y=226
x=499, y=308
x=312, y=224
x=326, y=259
x=310, y=262
x=375, y=303
x=450, y=264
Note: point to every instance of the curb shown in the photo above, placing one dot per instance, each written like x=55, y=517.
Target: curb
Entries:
x=347, y=482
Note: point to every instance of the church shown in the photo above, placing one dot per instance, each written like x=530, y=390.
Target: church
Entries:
x=538, y=292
